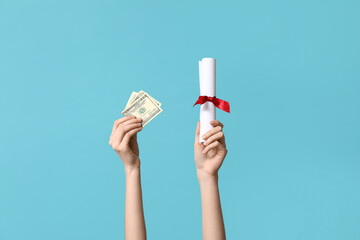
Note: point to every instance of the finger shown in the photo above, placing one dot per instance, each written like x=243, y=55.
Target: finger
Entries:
x=120, y=120
x=121, y=131
x=216, y=137
x=128, y=122
x=130, y=134
x=212, y=132
x=215, y=123
x=222, y=141
x=211, y=146
x=131, y=121
x=197, y=133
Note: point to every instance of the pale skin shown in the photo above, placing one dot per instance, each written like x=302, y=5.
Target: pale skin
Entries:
x=123, y=140
x=209, y=157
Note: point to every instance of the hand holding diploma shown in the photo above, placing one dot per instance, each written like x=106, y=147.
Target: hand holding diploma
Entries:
x=210, y=151
x=207, y=99
x=209, y=157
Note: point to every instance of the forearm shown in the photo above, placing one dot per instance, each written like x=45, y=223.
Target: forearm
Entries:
x=134, y=214
x=212, y=219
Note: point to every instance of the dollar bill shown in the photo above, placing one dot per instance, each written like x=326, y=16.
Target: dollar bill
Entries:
x=155, y=101
x=143, y=107
x=132, y=97
x=135, y=95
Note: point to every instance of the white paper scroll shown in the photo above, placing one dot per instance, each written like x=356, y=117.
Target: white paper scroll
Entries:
x=207, y=77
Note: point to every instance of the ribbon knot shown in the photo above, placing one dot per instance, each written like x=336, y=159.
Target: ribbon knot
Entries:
x=219, y=103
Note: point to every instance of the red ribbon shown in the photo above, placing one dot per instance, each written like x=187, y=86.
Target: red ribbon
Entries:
x=221, y=104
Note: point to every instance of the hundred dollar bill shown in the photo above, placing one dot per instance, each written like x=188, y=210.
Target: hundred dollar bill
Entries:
x=143, y=107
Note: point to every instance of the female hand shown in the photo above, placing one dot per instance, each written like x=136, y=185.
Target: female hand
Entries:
x=123, y=140
x=210, y=155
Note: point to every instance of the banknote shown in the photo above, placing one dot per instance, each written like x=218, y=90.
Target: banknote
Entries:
x=131, y=98
x=134, y=95
x=143, y=107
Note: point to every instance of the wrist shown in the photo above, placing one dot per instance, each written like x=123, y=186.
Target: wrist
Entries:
x=204, y=177
x=129, y=170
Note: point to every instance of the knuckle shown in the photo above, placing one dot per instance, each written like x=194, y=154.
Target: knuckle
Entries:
x=120, y=148
x=219, y=128
x=221, y=134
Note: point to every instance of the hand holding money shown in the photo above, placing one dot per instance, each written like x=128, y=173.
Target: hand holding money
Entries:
x=142, y=105
x=123, y=140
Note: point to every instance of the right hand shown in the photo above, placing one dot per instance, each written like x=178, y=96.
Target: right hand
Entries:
x=123, y=140
x=210, y=155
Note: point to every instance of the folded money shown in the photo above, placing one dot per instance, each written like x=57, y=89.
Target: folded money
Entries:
x=142, y=105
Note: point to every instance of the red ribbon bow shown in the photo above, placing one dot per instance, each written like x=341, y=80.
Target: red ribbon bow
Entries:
x=221, y=104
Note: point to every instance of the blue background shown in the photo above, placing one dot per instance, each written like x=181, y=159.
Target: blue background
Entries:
x=290, y=70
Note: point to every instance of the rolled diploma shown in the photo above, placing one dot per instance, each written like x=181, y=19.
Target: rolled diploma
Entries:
x=207, y=79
